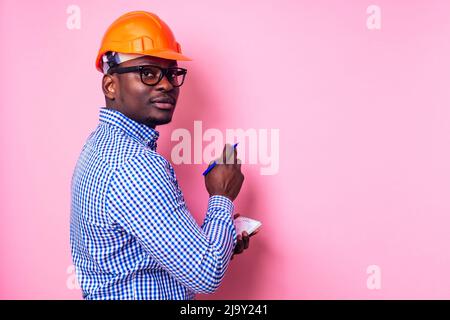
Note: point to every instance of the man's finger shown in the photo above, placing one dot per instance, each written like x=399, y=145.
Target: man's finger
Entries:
x=239, y=245
x=229, y=155
x=235, y=158
x=245, y=239
x=225, y=153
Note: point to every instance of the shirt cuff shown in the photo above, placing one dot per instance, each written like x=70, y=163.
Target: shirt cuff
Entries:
x=221, y=203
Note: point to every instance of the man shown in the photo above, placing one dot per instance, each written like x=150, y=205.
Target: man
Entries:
x=132, y=235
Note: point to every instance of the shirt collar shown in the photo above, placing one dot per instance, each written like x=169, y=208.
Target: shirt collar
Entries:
x=144, y=134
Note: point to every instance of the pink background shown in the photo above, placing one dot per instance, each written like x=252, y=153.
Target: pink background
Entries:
x=364, y=125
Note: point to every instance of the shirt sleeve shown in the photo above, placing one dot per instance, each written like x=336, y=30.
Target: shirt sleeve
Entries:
x=144, y=198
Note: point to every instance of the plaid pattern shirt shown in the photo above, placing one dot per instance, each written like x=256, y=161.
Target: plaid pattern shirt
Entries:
x=131, y=233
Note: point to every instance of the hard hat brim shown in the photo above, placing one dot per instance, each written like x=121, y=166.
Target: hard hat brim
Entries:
x=165, y=54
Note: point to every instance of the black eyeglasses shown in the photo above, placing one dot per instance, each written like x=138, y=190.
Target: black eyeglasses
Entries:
x=151, y=75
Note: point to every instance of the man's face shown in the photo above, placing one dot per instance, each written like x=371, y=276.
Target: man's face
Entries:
x=135, y=99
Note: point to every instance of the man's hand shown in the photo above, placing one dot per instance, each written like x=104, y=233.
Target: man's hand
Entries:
x=243, y=240
x=226, y=178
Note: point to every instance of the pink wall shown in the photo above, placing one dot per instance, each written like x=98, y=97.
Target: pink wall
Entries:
x=363, y=118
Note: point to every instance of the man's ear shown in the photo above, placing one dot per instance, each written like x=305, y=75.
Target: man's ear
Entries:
x=109, y=86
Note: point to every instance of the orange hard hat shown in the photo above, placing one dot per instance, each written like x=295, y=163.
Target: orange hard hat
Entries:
x=140, y=32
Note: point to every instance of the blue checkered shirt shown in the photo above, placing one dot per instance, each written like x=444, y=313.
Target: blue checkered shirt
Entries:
x=131, y=233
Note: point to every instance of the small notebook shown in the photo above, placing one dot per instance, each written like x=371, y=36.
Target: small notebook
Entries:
x=246, y=224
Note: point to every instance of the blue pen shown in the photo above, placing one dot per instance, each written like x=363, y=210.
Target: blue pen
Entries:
x=212, y=165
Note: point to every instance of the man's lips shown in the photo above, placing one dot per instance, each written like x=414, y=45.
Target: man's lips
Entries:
x=164, y=104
